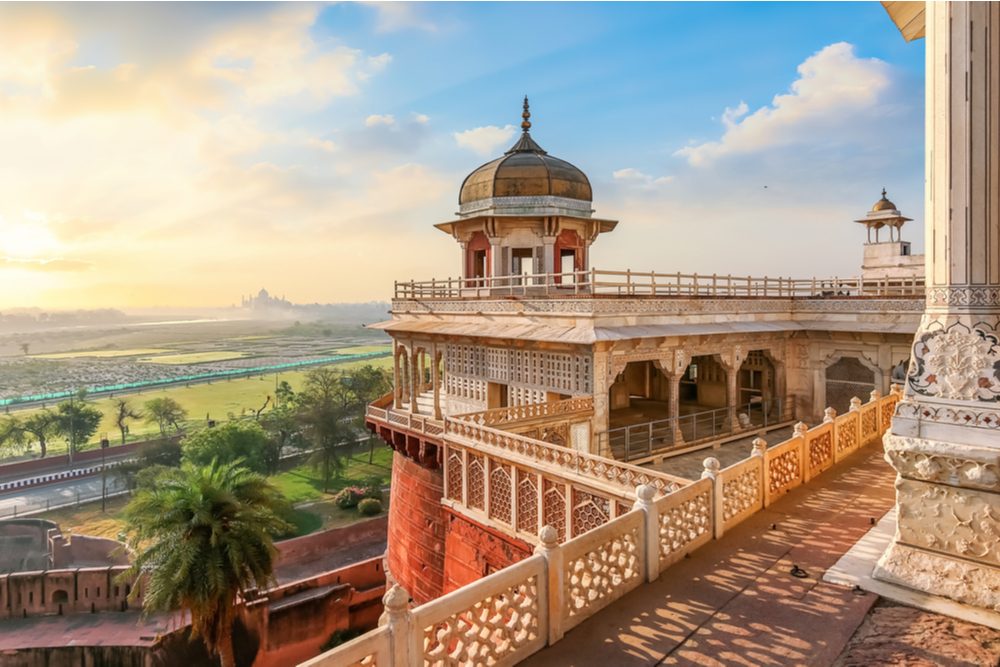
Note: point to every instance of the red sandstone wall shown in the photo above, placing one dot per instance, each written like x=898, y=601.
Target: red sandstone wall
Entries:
x=82, y=589
x=308, y=547
x=295, y=633
x=473, y=550
x=416, y=529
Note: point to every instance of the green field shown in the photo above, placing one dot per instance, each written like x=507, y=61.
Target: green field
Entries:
x=217, y=400
x=194, y=357
x=102, y=354
x=364, y=349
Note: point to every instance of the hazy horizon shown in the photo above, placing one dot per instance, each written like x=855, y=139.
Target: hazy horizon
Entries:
x=171, y=155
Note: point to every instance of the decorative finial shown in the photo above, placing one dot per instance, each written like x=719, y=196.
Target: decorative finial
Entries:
x=883, y=189
x=526, y=115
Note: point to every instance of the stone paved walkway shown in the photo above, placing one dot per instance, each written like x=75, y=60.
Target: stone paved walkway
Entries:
x=690, y=465
x=734, y=601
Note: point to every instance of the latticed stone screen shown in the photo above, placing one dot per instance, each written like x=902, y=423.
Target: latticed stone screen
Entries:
x=500, y=493
x=554, y=507
x=527, y=502
x=477, y=482
x=455, y=474
x=562, y=372
x=589, y=511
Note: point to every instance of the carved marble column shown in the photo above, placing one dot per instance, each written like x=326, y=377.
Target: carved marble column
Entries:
x=549, y=258
x=414, y=383
x=397, y=379
x=674, y=406
x=945, y=442
x=436, y=380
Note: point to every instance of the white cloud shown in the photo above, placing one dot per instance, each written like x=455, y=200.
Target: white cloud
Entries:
x=485, y=140
x=421, y=118
x=393, y=16
x=635, y=177
x=380, y=119
x=835, y=89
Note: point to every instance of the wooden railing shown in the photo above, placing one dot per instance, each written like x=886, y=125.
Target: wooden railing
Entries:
x=509, y=615
x=638, y=283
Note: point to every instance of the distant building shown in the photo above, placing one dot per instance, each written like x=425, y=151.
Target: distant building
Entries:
x=890, y=259
x=264, y=301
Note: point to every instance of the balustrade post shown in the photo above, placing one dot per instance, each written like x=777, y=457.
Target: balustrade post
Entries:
x=855, y=404
x=644, y=495
x=799, y=431
x=549, y=547
x=759, y=450
x=397, y=616
x=828, y=415
x=711, y=471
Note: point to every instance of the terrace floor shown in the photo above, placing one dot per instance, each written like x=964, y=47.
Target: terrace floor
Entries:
x=735, y=602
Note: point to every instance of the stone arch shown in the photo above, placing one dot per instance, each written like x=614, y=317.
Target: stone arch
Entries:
x=848, y=374
x=59, y=596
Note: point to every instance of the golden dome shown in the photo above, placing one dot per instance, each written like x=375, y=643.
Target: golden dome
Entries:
x=883, y=204
x=525, y=170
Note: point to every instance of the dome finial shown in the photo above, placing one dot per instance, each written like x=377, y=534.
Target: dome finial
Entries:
x=883, y=192
x=526, y=115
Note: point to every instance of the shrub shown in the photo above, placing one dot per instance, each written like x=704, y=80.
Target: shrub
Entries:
x=349, y=497
x=372, y=487
x=370, y=507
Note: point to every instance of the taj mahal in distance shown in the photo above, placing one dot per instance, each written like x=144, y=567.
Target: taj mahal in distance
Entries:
x=546, y=411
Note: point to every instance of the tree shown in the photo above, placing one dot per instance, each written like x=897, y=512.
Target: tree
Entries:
x=24, y=348
x=235, y=440
x=13, y=437
x=165, y=412
x=369, y=383
x=43, y=425
x=325, y=415
x=202, y=537
x=123, y=413
x=77, y=422
x=151, y=455
x=282, y=427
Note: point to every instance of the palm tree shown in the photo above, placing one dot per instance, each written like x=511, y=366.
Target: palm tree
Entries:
x=202, y=537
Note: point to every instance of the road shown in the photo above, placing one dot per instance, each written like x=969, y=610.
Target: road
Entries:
x=35, y=498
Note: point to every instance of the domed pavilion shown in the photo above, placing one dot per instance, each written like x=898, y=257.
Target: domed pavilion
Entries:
x=523, y=215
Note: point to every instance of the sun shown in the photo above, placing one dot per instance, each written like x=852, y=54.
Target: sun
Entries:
x=27, y=237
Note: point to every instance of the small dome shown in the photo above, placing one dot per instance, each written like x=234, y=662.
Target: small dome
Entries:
x=526, y=170
x=883, y=204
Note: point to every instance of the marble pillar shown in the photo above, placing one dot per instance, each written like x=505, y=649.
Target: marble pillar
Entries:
x=944, y=443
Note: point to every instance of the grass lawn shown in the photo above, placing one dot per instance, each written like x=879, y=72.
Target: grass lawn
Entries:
x=103, y=354
x=217, y=399
x=88, y=519
x=304, y=483
x=194, y=357
x=364, y=349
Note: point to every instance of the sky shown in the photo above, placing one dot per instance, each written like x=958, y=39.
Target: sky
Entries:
x=186, y=154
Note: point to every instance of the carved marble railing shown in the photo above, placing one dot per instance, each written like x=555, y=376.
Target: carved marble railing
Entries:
x=541, y=453
x=518, y=498
x=369, y=650
x=650, y=283
x=520, y=413
x=501, y=620
x=596, y=569
x=416, y=423
x=505, y=617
